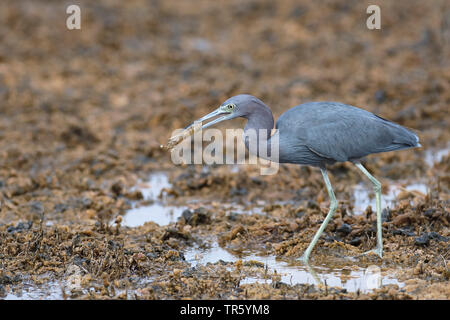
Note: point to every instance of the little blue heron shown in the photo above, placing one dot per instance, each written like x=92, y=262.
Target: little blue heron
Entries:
x=319, y=134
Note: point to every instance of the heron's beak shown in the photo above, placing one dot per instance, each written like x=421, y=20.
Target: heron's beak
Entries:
x=220, y=111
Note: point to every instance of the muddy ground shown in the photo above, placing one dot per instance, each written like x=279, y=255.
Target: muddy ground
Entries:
x=83, y=114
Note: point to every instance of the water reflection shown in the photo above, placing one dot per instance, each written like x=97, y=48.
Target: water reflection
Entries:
x=294, y=272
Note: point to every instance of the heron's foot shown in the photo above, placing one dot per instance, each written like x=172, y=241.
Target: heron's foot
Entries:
x=378, y=251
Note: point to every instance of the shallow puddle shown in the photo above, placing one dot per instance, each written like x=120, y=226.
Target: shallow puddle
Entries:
x=51, y=291
x=160, y=214
x=292, y=273
x=157, y=212
x=364, y=196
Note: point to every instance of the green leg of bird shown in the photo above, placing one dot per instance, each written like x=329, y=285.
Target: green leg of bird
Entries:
x=377, y=188
x=333, y=206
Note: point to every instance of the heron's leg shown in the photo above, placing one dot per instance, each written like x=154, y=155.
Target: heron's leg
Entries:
x=377, y=188
x=333, y=206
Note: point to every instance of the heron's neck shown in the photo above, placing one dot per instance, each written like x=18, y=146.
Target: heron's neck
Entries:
x=260, y=122
x=260, y=118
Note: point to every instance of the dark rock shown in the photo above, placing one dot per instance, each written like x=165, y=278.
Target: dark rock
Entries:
x=21, y=226
x=355, y=241
x=344, y=229
x=422, y=240
x=187, y=215
x=404, y=232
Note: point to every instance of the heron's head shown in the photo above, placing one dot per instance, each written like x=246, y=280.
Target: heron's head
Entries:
x=238, y=106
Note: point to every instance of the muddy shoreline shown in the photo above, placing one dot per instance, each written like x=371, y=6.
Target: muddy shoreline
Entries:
x=93, y=208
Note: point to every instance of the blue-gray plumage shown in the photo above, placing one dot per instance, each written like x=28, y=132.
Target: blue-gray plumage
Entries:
x=321, y=133
x=318, y=133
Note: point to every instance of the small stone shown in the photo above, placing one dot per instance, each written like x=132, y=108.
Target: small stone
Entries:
x=187, y=215
x=355, y=241
x=422, y=240
x=344, y=229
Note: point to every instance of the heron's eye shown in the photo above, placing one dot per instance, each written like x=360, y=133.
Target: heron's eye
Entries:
x=231, y=106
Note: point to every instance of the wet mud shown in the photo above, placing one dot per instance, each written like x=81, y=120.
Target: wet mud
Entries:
x=93, y=208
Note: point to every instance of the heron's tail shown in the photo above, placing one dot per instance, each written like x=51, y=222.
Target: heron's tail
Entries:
x=403, y=138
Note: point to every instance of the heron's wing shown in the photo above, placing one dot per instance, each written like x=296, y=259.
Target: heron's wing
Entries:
x=342, y=132
x=354, y=137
